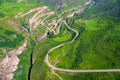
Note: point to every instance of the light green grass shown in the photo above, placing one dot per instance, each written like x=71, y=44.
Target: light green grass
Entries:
x=91, y=24
x=8, y=9
x=63, y=37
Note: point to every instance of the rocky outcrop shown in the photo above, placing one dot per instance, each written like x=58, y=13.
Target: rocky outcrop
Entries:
x=59, y=4
x=9, y=64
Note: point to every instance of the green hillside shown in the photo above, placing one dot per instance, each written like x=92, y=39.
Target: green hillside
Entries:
x=109, y=8
x=74, y=36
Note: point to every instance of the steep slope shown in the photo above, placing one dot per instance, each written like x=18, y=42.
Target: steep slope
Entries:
x=96, y=47
x=104, y=8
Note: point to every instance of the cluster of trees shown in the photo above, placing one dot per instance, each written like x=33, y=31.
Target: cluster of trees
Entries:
x=10, y=39
x=2, y=1
x=103, y=8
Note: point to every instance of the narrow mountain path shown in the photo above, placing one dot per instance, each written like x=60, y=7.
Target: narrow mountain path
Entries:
x=60, y=45
x=57, y=75
x=70, y=70
x=31, y=11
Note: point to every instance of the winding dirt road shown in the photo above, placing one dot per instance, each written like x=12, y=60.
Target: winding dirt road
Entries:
x=35, y=18
x=70, y=70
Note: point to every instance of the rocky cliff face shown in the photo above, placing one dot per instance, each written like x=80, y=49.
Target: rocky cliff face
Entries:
x=9, y=64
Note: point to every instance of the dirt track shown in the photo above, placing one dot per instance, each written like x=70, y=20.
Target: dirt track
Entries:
x=70, y=70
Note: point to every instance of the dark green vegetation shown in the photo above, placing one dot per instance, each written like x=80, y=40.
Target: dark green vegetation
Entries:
x=2, y=55
x=10, y=38
x=102, y=8
x=97, y=47
x=23, y=68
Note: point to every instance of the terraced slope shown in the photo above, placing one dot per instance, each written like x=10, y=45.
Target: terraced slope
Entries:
x=59, y=40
